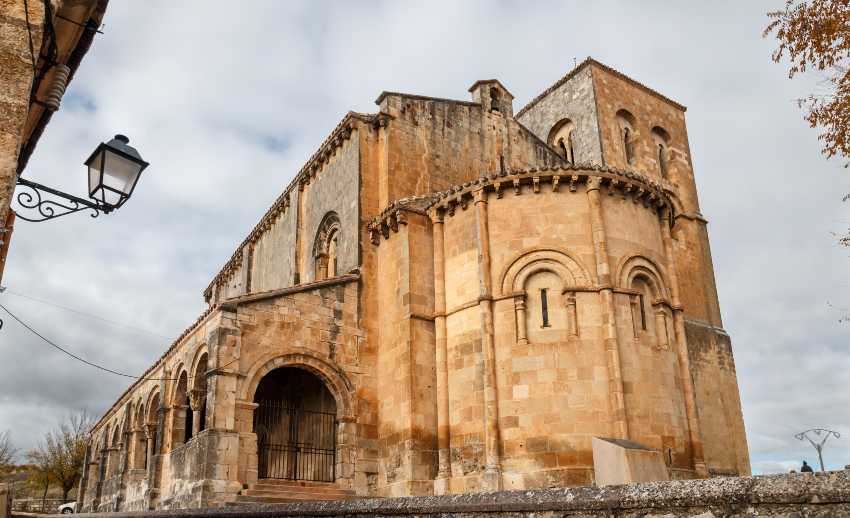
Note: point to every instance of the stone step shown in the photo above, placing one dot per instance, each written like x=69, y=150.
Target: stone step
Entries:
x=294, y=497
x=337, y=493
x=274, y=491
x=297, y=483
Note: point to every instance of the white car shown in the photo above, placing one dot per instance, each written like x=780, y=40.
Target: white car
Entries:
x=67, y=508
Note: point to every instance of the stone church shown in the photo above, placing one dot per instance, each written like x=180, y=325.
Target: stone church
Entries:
x=449, y=297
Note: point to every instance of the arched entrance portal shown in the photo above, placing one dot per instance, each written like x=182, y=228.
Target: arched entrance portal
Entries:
x=295, y=424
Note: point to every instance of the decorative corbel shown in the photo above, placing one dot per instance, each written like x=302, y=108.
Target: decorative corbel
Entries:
x=401, y=217
x=555, y=180
x=573, y=181
x=535, y=182
x=497, y=186
x=517, y=188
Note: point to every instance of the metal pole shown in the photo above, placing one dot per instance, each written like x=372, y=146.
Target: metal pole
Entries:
x=819, y=442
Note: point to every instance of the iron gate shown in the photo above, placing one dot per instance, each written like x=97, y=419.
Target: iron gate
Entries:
x=295, y=444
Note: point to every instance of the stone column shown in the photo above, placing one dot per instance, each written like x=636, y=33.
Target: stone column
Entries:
x=444, y=470
x=661, y=338
x=125, y=451
x=682, y=350
x=572, y=314
x=521, y=331
x=493, y=465
x=150, y=439
x=609, y=309
x=101, y=476
x=84, y=478
x=321, y=266
x=197, y=398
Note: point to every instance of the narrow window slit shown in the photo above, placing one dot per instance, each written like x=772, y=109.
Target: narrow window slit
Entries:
x=642, y=313
x=544, y=305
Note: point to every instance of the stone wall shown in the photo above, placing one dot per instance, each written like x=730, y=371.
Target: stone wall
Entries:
x=433, y=144
x=335, y=188
x=819, y=495
x=571, y=98
x=273, y=258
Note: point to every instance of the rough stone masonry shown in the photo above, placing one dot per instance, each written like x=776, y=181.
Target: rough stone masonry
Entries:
x=449, y=298
x=795, y=495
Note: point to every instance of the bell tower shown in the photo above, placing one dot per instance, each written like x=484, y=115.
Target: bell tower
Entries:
x=493, y=96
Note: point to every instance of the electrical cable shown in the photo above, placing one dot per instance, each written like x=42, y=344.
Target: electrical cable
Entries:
x=29, y=32
x=83, y=313
x=83, y=360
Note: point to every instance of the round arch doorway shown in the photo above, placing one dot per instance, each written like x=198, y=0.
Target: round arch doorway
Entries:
x=295, y=423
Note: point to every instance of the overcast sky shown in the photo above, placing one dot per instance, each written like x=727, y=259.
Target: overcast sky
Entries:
x=227, y=100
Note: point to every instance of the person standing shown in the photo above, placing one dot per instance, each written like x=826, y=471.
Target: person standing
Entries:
x=805, y=468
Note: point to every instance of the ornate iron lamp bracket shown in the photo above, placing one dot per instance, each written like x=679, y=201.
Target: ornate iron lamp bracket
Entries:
x=43, y=208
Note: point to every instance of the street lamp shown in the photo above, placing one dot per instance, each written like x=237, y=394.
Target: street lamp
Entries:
x=114, y=169
x=819, y=442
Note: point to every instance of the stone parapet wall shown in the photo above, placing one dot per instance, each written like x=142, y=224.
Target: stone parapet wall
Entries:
x=818, y=495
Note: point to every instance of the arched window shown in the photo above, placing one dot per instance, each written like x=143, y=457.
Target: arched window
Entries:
x=198, y=396
x=326, y=247
x=641, y=302
x=140, y=446
x=561, y=138
x=661, y=139
x=181, y=425
x=628, y=135
x=153, y=428
x=544, y=284
x=650, y=319
x=114, y=468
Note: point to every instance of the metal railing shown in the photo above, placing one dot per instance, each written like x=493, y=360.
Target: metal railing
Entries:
x=295, y=444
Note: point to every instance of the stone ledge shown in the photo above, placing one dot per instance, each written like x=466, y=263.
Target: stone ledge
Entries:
x=821, y=494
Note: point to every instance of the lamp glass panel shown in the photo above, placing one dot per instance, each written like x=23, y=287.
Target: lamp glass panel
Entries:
x=119, y=174
x=94, y=173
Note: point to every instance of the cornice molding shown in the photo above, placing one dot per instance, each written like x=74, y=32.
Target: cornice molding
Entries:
x=636, y=186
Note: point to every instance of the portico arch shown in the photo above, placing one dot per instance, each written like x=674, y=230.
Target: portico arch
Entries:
x=334, y=379
x=325, y=415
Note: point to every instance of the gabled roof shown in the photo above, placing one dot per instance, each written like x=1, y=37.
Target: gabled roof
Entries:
x=581, y=66
x=487, y=81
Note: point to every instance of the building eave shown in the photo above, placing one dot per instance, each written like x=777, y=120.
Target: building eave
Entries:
x=38, y=116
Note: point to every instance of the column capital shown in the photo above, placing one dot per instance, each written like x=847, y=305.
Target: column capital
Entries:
x=196, y=398
x=436, y=216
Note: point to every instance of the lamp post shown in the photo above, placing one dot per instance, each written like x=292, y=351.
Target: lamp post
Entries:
x=114, y=168
x=818, y=443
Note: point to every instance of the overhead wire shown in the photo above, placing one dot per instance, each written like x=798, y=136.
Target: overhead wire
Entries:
x=83, y=313
x=87, y=362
